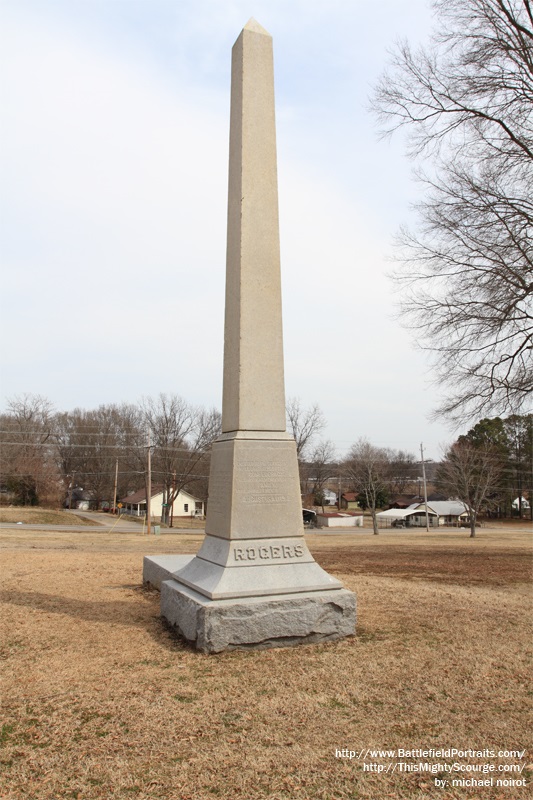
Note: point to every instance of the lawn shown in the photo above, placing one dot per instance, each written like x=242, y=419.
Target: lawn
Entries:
x=101, y=700
x=41, y=516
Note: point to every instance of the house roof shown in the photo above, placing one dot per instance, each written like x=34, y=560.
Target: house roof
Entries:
x=349, y=496
x=404, y=500
x=140, y=495
x=448, y=508
x=516, y=502
x=401, y=513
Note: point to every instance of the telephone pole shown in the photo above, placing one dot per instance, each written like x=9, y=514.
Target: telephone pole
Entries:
x=425, y=485
x=71, y=490
x=149, y=488
x=115, y=489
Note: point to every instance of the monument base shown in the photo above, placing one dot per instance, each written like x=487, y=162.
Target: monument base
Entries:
x=257, y=622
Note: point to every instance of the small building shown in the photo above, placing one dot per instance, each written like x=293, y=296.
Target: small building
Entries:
x=340, y=520
x=349, y=502
x=412, y=517
x=185, y=504
x=79, y=499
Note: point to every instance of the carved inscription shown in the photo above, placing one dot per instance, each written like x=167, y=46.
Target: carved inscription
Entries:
x=268, y=553
x=254, y=499
x=262, y=483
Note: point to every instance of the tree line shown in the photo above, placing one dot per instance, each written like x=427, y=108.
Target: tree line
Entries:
x=488, y=469
x=491, y=467
x=46, y=455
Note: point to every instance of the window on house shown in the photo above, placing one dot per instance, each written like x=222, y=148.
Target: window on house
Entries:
x=185, y=506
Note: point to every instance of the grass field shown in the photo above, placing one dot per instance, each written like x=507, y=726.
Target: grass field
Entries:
x=40, y=516
x=100, y=700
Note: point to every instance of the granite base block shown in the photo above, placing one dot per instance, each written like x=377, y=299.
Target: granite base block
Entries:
x=157, y=569
x=258, y=622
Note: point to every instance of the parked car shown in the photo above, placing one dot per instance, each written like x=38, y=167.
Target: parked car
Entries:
x=309, y=518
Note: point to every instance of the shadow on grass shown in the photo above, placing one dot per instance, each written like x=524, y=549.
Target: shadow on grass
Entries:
x=109, y=612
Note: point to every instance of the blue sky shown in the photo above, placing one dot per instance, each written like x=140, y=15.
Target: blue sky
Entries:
x=115, y=124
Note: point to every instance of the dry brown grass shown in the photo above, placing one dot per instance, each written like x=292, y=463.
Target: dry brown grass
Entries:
x=179, y=523
x=41, y=516
x=102, y=701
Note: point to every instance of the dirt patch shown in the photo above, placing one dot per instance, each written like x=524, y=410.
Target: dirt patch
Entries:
x=102, y=702
x=454, y=564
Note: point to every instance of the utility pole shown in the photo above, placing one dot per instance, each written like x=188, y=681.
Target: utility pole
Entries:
x=115, y=489
x=425, y=485
x=71, y=490
x=173, y=498
x=149, y=489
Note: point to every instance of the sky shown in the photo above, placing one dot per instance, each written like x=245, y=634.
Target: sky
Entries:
x=114, y=158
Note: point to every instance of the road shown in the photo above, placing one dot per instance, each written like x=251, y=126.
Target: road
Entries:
x=102, y=524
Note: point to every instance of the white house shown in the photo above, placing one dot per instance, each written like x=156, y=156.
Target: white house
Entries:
x=449, y=512
x=330, y=498
x=525, y=504
x=440, y=512
x=185, y=504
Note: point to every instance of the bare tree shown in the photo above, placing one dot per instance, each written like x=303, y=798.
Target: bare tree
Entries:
x=132, y=452
x=28, y=464
x=321, y=466
x=404, y=470
x=368, y=468
x=305, y=424
x=181, y=435
x=467, y=273
x=90, y=443
x=472, y=475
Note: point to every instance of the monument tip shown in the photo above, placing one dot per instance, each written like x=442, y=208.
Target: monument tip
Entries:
x=253, y=26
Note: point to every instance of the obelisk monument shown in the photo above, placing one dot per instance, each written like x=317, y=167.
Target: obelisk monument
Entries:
x=254, y=582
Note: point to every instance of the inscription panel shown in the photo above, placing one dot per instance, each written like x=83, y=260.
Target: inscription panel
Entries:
x=254, y=489
x=269, y=553
x=266, y=492
x=254, y=552
x=263, y=479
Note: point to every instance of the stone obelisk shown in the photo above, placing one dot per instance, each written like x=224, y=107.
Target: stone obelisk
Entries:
x=254, y=582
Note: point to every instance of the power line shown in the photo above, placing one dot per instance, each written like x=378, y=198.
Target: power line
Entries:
x=87, y=446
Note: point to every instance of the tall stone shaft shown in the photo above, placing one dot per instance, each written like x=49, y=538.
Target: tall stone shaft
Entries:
x=253, y=582
x=253, y=392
